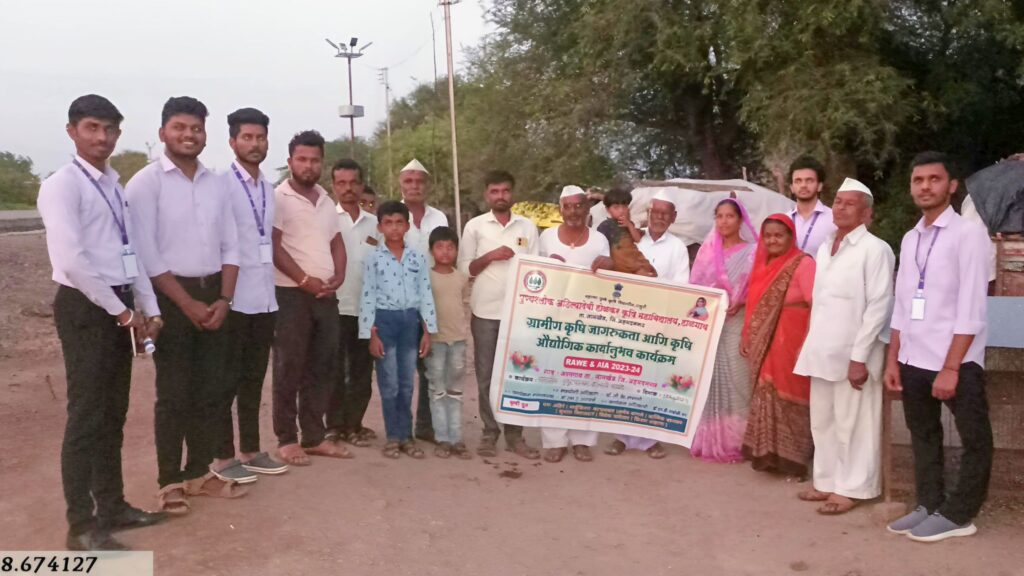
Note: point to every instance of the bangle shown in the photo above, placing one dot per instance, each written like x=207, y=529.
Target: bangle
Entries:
x=157, y=320
x=131, y=316
x=305, y=279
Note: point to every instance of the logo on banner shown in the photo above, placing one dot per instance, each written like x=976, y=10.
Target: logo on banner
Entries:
x=617, y=291
x=535, y=281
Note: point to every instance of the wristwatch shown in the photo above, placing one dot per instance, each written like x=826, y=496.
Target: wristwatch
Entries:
x=229, y=301
x=156, y=320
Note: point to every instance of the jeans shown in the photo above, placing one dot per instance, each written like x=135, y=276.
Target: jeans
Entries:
x=424, y=424
x=98, y=361
x=305, y=364
x=353, y=387
x=250, y=337
x=446, y=367
x=396, y=371
x=485, y=341
x=970, y=411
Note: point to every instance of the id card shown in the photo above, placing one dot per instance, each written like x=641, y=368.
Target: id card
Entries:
x=522, y=242
x=266, y=253
x=917, y=308
x=131, y=265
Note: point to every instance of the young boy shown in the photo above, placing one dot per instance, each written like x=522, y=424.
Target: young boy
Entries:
x=446, y=365
x=396, y=300
x=623, y=235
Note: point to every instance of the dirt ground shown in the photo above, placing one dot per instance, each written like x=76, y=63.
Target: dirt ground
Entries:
x=370, y=515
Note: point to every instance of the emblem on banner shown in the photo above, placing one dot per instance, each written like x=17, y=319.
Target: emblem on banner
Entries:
x=535, y=281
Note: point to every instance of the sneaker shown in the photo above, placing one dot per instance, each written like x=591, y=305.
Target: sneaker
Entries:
x=937, y=527
x=264, y=464
x=907, y=523
x=235, y=472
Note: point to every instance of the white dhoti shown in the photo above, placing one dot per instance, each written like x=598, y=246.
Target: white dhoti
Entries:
x=846, y=425
x=563, y=437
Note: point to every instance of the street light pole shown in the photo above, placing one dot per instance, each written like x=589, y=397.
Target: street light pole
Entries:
x=451, y=110
x=349, y=52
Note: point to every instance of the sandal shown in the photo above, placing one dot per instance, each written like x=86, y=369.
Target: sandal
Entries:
x=410, y=449
x=488, y=448
x=554, y=455
x=833, y=508
x=294, y=454
x=443, y=450
x=390, y=450
x=355, y=439
x=210, y=485
x=366, y=434
x=582, y=453
x=329, y=450
x=813, y=495
x=617, y=447
x=523, y=450
x=657, y=451
x=460, y=450
x=171, y=499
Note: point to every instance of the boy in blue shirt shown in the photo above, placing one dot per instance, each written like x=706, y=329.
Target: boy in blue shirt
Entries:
x=396, y=300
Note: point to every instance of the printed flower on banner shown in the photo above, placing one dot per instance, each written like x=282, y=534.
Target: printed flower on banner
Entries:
x=679, y=383
x=523, y=362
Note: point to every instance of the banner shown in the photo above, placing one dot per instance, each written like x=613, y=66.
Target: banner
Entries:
x=608, y=352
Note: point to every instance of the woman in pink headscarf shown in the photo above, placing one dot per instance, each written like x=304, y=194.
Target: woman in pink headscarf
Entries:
x=725, y=261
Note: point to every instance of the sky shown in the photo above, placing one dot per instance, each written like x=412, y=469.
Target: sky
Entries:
x=269, y=54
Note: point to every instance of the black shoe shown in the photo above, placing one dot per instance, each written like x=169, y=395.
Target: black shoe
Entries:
x=94, y=540
x=132, y=518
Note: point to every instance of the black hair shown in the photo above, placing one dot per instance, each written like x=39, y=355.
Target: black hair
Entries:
x=310, y=138
x=183, y=105
x=246, y=116
x=933, y=157
x=93, y=106
x=618, y=195
x=443, y=234
x=392, y=207
x=347, y=164
x=789, y=231
x=369, y=190
x=807, y=163
x=731, y=202
x=499, y=177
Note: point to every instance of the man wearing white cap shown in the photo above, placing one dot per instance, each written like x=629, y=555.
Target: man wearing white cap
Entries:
x=413, y=183
x=843, y=355
x=573, y=243
x=812, y=218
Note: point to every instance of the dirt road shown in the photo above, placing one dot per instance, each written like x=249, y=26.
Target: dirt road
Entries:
x=370, y=515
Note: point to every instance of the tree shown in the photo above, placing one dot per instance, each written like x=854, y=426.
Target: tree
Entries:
x=127, y=163
x=19, y=186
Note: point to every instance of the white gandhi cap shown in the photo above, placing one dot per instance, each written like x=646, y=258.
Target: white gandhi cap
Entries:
x=851, y=185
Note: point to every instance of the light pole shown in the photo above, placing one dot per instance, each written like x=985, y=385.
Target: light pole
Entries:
x=451, y=110
x=387, y=111
x=349, y=52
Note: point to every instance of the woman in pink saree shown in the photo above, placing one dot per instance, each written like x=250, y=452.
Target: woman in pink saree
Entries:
x=725, y=261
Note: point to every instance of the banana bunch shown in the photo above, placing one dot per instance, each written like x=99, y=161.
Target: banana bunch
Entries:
x=543, y=214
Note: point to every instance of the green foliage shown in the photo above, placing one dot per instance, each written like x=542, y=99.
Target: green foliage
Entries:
x=18, y=185
x=127, y=163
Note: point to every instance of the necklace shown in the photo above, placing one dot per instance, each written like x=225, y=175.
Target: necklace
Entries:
x=578, y=237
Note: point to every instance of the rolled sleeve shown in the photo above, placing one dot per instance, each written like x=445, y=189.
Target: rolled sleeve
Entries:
x=143, y=192
x=426, y=297
x=972, y=299
x=368, y=298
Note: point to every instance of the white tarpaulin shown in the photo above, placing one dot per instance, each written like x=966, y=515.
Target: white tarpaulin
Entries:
x=696, y=199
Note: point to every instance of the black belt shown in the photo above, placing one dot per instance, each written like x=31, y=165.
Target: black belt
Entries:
x=122, y=289
x=199, y=281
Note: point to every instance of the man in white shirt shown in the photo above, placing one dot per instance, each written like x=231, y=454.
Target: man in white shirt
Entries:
x=664, y=250
x=352, y=389
x=99, y=279
x=310, y=262
x=414, y=185
x=812, y=217
x=843, y=355
x=573, y=243
x=250, y=324
x=489, y=243
x=188, y=245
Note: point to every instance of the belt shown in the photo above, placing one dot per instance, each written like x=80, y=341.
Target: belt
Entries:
x=122, y=289
x=199, y=281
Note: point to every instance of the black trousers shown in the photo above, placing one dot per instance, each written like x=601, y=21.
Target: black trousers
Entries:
x=190, y=377
x=352, y=389
x=424, y=422
x=970, y=411
x=98, y=362
x=249, y=339
x=305, y=364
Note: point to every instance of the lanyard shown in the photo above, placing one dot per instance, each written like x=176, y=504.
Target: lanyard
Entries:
x=119, y=220
x=923, y=269
x=260, y=218
x=807, y=235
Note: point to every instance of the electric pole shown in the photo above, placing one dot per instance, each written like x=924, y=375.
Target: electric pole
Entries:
x=349, y=52
x=383, y=76
x=451, y=110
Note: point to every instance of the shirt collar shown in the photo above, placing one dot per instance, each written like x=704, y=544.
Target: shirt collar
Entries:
x=286, y=189
x=662, y=238
x=96, y=173
x=819, y=207
x=490, y=217
x=169, y=166
x=362, y=214
x=245, y=173
x=942, y=221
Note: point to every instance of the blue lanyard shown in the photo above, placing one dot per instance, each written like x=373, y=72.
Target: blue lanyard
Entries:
x=260, y=218
x=807, y=235
x=920, y=268
x=119, y=219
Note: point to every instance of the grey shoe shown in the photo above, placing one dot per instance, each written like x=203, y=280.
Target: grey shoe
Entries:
x=264, y=464
x=907, y=523
x=235, y=472
x=937, y=527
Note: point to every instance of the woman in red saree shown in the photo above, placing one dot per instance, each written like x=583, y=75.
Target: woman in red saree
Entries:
x=778, y=435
